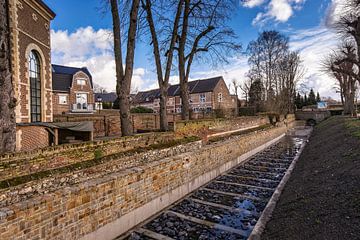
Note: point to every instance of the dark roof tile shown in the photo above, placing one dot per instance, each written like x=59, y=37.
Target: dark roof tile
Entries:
x=197, y=86
x=62, y=76
x=106, y=97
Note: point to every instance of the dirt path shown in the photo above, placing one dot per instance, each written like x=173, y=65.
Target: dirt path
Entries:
x=322, y=198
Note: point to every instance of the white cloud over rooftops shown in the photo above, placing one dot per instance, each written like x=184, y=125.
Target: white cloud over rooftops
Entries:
x=273, y=10
x=92, y=49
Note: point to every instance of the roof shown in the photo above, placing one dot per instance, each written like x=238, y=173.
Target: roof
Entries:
x=46, y=8
x=62, y=77
x=197, y=86
x=106, y=97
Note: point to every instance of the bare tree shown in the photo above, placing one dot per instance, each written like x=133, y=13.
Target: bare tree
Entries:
x=162, y=75
x=203, y=30
x=265, y=53
x=278, y=69
x=123, y=76
x=7, y=100
x=342, y=65
x=289, y=72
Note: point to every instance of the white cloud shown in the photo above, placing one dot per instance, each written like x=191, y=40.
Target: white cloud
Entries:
x=314, y=45
x=335, y=9
x=253, y=3
x=92, y=49
x=277, y=10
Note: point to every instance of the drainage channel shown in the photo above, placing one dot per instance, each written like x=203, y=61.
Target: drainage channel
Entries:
x=229, y=206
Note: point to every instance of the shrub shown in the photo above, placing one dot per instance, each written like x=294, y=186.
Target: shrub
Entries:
x=141, y=109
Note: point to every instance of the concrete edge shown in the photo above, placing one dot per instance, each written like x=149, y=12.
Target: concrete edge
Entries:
x=270, y=206
x=141, y=214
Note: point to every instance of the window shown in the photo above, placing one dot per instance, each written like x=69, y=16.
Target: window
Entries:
x=81, y=101
x=202, y=97
x=170, y=102
x=62, y=99
x=35, y=87
x=81, y=82
x=220, y=97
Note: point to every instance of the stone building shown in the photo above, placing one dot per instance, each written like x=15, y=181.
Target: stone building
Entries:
x=31, y=69
x=72, y=90
x=206, y=95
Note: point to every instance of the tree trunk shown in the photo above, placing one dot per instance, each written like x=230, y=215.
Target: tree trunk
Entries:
x=163, y=113
x=123, y=83
x=163, y=81
x=184, y=89
x=7, y=100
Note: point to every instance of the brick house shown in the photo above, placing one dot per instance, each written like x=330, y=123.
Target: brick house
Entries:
x=72, y=90
x=31, y=69
x=206, y=95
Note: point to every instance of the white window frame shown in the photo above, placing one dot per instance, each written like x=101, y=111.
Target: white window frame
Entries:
x=202, y=97
x=63, y=102
x=81, y=81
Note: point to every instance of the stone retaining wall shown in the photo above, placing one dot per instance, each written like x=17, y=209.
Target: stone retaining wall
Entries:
x=83, y=210
x=106, y=166
x=23, y=163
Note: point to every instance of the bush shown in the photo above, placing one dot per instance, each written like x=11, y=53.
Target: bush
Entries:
x=141, y=109
x=247, y=111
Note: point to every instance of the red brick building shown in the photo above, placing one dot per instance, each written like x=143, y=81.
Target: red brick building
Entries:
x=72, y=90
x=206, y=95
x=31, y=69
x=32, y=72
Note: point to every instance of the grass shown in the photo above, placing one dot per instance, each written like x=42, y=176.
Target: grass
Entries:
x=353, y=125
x=97, y=160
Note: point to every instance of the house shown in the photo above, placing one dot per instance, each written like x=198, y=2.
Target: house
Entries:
x=206, y=95
x=29, y=22
x=72, y=90
x=31, y=69
x=105, y=100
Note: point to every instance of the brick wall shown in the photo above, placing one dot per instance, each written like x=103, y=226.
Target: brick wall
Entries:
x=73, y=212
x=105, y=125
x=60, y=108
x=32, y=137
x=227, y=104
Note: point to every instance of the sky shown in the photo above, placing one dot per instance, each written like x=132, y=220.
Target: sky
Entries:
x=81, y=36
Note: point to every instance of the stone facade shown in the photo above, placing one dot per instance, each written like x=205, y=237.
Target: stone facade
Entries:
x=75, y=212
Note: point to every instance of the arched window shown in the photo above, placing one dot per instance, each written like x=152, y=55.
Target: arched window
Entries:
x=35, y=86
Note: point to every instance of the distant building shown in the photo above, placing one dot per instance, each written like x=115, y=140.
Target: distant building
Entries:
x=105, y=100
x=72, y=90
x=206, y=95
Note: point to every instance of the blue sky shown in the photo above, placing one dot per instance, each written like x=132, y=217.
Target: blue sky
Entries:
x=80, y=37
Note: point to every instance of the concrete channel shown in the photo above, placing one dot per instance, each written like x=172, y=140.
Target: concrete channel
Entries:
x=235, y=205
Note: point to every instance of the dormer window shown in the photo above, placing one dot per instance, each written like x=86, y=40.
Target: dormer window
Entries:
x=81, y=82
